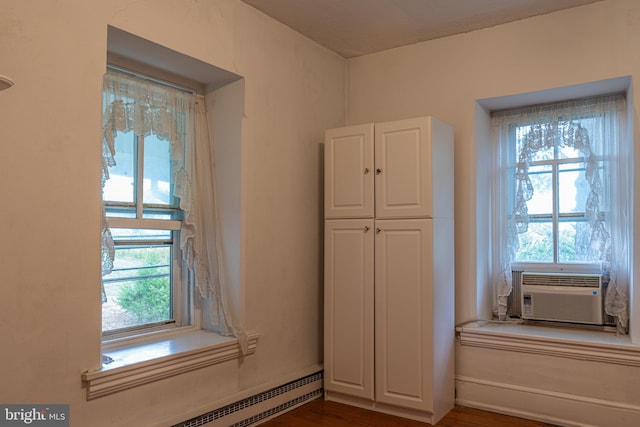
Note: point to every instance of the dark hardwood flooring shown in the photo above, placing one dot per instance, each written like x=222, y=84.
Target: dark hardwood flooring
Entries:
x=319, y=412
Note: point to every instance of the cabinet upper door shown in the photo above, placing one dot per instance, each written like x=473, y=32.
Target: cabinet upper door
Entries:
x=403, y=169
x=349, y=175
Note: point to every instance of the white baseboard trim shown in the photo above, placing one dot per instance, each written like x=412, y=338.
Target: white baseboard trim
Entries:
x=544, y=405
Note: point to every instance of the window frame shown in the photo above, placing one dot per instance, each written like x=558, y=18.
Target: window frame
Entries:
x=555, y=217
x=184, y=315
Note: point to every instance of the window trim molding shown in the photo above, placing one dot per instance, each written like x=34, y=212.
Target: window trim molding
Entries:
x=193, y=355
x=595, y=346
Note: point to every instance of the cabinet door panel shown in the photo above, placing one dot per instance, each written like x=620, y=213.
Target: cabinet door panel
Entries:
x=348, y=294
x=403, y=175
x=349, y=172
x=403, y=302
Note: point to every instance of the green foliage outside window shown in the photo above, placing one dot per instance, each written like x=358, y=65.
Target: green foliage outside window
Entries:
x=149, y=297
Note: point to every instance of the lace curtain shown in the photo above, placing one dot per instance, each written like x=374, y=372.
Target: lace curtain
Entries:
x=593, y=127
x=143, y=107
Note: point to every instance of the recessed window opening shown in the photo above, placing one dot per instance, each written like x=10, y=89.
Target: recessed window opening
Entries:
x=161, y=224
x=560, y=190
x=149, y=79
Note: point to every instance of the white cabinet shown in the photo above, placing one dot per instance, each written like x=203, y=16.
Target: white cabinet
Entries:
x=387, y=170
x=389, y=288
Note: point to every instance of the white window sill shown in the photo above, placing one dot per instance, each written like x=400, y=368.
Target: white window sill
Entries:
x=143, y=363
x=571, y=343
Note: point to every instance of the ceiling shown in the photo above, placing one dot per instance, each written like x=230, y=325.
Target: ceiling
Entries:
x=358, y=27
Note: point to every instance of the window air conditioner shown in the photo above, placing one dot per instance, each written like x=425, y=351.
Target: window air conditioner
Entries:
x=562, y=297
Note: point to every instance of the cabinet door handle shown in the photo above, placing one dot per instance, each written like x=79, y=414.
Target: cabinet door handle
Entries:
x=366, y=171
x=366, y=228
x=378, y=229
x=378, y=171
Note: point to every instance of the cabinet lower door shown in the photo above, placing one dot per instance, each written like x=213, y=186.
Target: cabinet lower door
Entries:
x=348, y=312
x=403, y=307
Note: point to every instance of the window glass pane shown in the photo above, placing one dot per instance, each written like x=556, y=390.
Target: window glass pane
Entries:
x=574, y=241
x=120, y=185
x=118, y=212
x=157, y=171
x=553, y=140
x=139, y=289
x=573, y=188
x=168, y=214
x=565, y=152
x=536, y=244
x=542, y=200
x=140, y=234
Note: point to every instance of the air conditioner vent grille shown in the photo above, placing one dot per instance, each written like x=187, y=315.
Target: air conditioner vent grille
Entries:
x=557, y=279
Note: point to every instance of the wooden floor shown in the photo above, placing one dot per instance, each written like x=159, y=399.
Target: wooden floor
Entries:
x=319, y=412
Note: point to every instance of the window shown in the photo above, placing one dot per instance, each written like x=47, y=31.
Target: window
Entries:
x=552, y=189
x=560, y=192
x=144, y=289
x=147, y=132
x=160, y=223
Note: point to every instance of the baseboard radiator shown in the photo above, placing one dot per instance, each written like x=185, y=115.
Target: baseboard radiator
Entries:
x=252, y=410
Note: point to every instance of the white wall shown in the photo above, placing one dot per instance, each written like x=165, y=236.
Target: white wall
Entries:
x=294, y=89
x=50, y=196
x=445, y=77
